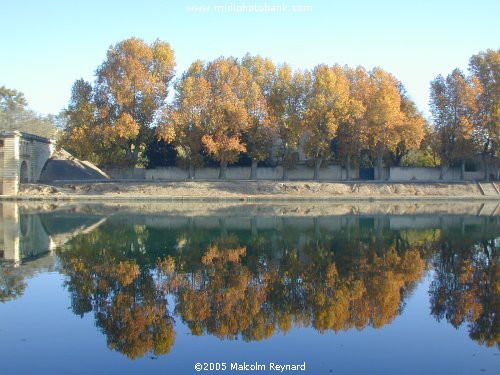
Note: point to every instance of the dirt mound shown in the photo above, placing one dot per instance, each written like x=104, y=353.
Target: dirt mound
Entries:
x=62, y=166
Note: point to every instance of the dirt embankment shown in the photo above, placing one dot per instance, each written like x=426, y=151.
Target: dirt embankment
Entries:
x=258, y=190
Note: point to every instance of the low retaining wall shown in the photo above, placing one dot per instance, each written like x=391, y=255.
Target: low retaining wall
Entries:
x=127, y=173
x=301, y=172
x=431, y=174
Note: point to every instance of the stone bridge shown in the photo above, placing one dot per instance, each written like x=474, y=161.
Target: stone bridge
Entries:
x=22, y=158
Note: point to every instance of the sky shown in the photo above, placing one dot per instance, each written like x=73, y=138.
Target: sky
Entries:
x=46, y=45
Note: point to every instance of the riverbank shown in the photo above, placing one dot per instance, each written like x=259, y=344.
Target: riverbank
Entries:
x=257, y=191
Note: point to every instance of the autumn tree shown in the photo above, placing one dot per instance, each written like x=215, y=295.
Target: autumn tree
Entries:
x=351, y=133
x=287, y=104
x=412, y=130
x=258, y=75
x=485, y=70
x=227, y=118
x=184, y=122
x=131, y=87
x=327, y=105
x=387, y=125
x=82, y=135
x=453, y=106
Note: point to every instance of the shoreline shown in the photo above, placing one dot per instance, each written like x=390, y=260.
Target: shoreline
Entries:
x=258, y=191
x=250, y=199
x=197, y=209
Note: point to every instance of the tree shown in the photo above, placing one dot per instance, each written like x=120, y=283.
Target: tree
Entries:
x=412, y=130
x=384, y=120
x=453, y=106
x=11, y=100
x=15, y=115
x=351, y=134
x=185, y=121
x=227, y=119
x=327, y=105
x=287, y=104
x=258, y=74
x=485, y=70
x=82, y=135
x=131, y=87
x=159, y=153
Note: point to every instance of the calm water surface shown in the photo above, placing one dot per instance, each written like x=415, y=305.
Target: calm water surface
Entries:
x=88, y=290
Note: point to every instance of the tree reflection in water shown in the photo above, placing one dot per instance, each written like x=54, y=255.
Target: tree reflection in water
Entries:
x=253, y=284
x=466, y=287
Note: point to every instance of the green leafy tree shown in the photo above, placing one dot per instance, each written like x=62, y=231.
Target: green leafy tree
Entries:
x=15, y=115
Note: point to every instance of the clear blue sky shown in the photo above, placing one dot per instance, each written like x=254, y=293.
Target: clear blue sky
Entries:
x=46, y=45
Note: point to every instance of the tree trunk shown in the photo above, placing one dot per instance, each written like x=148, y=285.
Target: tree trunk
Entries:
x=317, y=166
x=348, y=167
x=379, y=165
x=222, y=170
x=462, y=169
x=191, y=171
x=444, y=167
x=285, y=173
x=486, y=166
x=128, y=153
x=135, y=154
x=253, y=172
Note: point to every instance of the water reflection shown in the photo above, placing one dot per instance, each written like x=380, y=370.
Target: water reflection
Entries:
x=466, y=286
x=28, y=241
x=251, y=277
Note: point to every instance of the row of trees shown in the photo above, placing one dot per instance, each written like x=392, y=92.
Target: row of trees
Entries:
x=227, y=107
x=135, y=113
x=466, y=112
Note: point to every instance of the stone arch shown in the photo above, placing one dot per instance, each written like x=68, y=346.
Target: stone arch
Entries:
x=24, y=174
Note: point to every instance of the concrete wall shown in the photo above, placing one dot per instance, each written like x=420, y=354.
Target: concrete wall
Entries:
x=385, y=175
x=127, y=173
x=426, y=174
x=301, y=172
